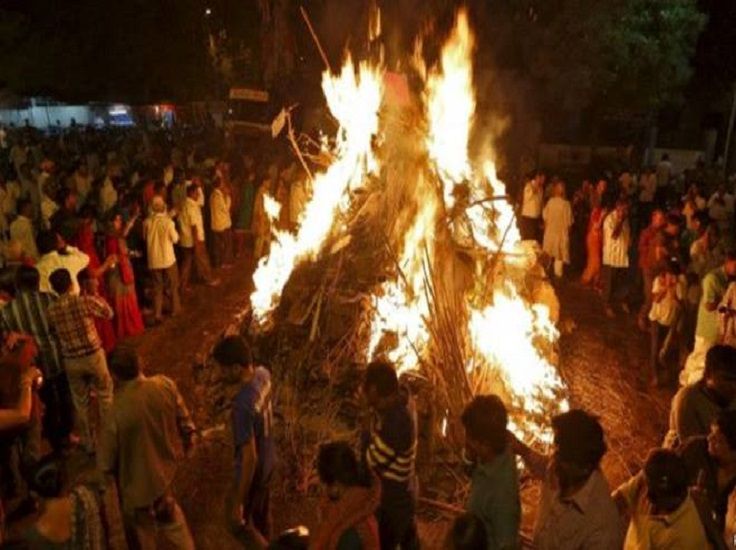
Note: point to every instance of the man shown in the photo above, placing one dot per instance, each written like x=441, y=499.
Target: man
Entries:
x=648, y=186
x=144, y=437
x=714, y=288
x=616, y=240
x=390, y=446
x=696, y=406
x=65, y=220
x=81, y=182
x=575, y=508
x=252, y=417
x=663, y=515
x=650, y=249
x=531, y=208
x=27, y=313
x=721, y=208
x=56, y=254
x=494, y=486
x=72, y=318
x=160, y=233
x=21, y=230
x=108, y=194
x=192, y=242
x=221, y=224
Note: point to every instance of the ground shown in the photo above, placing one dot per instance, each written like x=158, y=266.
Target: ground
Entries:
x=600, y=360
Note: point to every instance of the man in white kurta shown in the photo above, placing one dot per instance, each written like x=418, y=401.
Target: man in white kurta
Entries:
x=557, y=216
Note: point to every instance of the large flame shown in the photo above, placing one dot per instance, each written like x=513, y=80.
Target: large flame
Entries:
x=354, y=100
x=509, y=337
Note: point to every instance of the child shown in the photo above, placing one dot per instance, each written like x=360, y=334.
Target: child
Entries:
x=668, y=293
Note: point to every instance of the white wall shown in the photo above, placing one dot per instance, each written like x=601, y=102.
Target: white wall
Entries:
x=42, y=117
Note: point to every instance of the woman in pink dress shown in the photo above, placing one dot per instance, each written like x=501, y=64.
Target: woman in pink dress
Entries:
x=121, y=281
x=84, y=240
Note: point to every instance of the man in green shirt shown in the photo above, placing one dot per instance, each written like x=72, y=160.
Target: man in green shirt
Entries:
x=707, y=335
x=494, y=486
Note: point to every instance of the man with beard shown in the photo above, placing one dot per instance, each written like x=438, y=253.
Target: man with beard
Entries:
x=575, y=509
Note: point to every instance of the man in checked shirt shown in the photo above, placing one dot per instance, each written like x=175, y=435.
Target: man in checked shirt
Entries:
x=72, y=318
x=390, y=451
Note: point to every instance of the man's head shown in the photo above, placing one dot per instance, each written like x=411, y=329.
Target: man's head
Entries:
x=720, y=373
x=579, y=446
x=622, y=206
x=48, y=241
x=68, y=199
x=61, y=281
x=25, y=208
x=380, y=384
x=193, y=191
x=658, y=219
x=722, y=438
x=730, y=263
x=337, y=467
x=234, y=353
x=485, y=421
x=158, y=204
x=27, y=279
x=666, y=479
x=47, y=479
x=125, y=363
x=87, y=282
x=700, y=222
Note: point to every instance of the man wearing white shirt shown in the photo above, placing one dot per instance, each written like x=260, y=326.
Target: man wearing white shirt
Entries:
x=81, y=182
x=616, y=242
x=22, y=230
x=221, y=225
x=192, y=240
x=531, y=209
x=55, y=254
x=720, y=208
x=160, y=233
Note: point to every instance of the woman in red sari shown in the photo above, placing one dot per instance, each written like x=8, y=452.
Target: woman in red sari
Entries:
x=121, y=281
x=594, y=238
x=84, y=240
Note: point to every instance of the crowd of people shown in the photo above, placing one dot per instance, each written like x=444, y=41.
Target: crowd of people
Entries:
x=104, y=232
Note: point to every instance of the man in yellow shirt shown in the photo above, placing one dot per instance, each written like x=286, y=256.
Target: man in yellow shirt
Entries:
x=663, y=515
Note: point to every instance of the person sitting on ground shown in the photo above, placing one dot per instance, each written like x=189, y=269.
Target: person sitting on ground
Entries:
x=575, y=509
x=72, y=319
x=467, y=533
x=144, y=437
x=663, y=515
x=349, y=504
x=389, y=447
x=695, y=407
x=494, y=486
x=711, y=466
x=255, y=457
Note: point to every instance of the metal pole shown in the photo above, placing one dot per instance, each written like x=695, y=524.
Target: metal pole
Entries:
x=729, y=134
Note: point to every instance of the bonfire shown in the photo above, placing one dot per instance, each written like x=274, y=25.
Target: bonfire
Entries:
x=408, y=250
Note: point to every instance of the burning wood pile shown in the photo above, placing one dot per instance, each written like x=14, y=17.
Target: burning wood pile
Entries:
x=408, y=250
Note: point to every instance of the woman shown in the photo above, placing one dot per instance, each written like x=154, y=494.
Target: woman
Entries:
x=348, y=505
x=557, y=216
x=128, y=319
x=244, y=206
x=85, y=241
x=594, y=239
x=76, y=520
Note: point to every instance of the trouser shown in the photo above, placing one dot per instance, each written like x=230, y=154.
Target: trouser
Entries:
x=256, y=526
x=559, y=267
x=657, y=333
x=58, y=418
x=85, y=373
x=695, y=363
x=197, y=257
x=615, y=287
x=647, y=276
x=222, y=247
x=397, y=529
x=165, y=280
x=146, y=529
x=239, y=238
x=530, y=229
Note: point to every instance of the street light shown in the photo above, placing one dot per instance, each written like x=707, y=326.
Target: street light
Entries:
x=207, y=12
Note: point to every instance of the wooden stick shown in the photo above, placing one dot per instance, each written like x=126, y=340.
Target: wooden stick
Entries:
x=322, y=54
x=295, y=146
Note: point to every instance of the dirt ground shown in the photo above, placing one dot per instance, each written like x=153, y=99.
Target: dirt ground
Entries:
x=600, y=360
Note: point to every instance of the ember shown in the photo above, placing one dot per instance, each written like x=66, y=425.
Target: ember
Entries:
x=458, y=302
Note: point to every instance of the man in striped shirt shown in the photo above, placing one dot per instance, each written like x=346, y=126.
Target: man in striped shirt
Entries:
x=390, y=451
x=616, y=242
x=27, y=314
